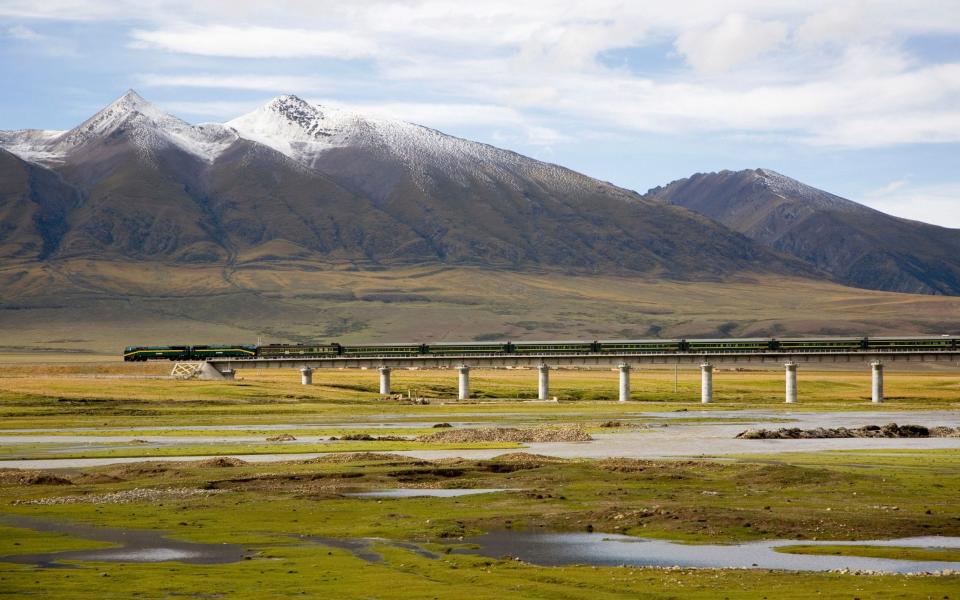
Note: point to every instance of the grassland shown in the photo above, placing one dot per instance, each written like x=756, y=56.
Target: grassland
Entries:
x=102, y=306
x=123, y=396
x=266, y=508
x=895, y=552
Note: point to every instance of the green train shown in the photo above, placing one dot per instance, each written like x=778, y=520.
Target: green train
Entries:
x=653, y=346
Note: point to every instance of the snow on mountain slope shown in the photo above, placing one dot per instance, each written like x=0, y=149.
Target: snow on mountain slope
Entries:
x=33, y=145
x=791, y=189
x=146, y=126
x=305, y=132
x=295, y=128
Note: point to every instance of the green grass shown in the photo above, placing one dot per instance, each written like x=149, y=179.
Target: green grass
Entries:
x=16, y=540
x=27, y=451
x=60, y=397
x=317, y=572
x=841, y=495
x=265, y=504
x=894, y=552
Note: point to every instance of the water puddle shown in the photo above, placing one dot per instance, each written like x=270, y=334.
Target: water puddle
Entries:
x=556, y=549
x=423, y=493
x=133, y=545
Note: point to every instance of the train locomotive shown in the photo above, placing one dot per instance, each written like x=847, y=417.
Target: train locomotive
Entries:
x=466, y=349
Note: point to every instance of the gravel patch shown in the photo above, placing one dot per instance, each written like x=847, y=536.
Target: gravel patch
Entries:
x=559, y=433
x=126, y=496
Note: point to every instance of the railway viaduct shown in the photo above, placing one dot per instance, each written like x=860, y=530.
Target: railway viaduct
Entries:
x=226, y=368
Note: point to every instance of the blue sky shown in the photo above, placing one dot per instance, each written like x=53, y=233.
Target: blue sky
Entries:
x=861, y=98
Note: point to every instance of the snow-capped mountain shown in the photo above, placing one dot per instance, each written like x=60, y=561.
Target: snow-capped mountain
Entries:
x=292, y=181
x=318, y=136
x=149, y=128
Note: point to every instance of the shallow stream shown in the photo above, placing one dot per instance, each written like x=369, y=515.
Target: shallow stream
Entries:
x=555, y=549
x=132, y=545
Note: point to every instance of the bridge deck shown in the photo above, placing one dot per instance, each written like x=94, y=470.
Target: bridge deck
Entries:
x=585, y=360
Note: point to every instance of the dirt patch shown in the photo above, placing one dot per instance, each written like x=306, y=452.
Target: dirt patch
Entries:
x=18, y=477
x=890, y=430
x=220, y=462
x=358, y=457
x=638, y=465
x=144, y=469
x=557, y=433
x=97, y=478
x=526, y=457
x=366, y=437
x=422, y=475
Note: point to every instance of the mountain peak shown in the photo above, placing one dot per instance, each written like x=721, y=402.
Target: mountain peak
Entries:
x=289, y=102
x=131, y=98
x=127, y=111
x=292, y=126
x=147, y=127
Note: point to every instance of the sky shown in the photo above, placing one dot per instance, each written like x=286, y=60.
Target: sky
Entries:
x=857, y=97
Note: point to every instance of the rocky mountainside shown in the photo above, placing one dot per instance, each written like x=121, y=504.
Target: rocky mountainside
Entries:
x=296, y=182
x=858, y=245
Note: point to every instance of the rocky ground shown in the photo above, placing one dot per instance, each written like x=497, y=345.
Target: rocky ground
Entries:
x=559, y=433
x=890, y=430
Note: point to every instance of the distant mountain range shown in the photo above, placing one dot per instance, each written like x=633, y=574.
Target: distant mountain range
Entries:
x=857, y=245
x=296, y=183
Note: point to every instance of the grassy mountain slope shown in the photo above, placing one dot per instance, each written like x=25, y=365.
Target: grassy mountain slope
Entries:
x=860, y=246
x=104, y=305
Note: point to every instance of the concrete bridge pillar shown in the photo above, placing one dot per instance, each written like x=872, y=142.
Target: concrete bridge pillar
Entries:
x=543, y=382
x=791, y=382
x=706, y=383
x=384, y=380
x=877, y=387
x=306, y=376
x=464, y=388
x=229, y=374
x=624, y=382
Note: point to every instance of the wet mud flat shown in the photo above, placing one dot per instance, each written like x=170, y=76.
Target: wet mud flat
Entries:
x=603, y=549
x=132, y=545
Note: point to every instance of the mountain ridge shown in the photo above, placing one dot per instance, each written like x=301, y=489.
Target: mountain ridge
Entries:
x=858, y=245
x=335, y=185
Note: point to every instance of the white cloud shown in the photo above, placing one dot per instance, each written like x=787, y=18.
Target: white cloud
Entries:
x=820, y=72
x=22, y=32
x=886, y=189
x=221, y=110
x=437, y=114
x=256, y=42
x=732, y=41
x=936, y=204
x=269, y=83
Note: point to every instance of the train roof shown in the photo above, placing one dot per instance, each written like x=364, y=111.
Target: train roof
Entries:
x=945, y=336
x=483, y=343
x=647, y=341
x=722, y=340
x=553, y=342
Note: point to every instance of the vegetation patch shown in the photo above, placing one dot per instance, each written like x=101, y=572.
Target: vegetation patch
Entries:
x=893, y=552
